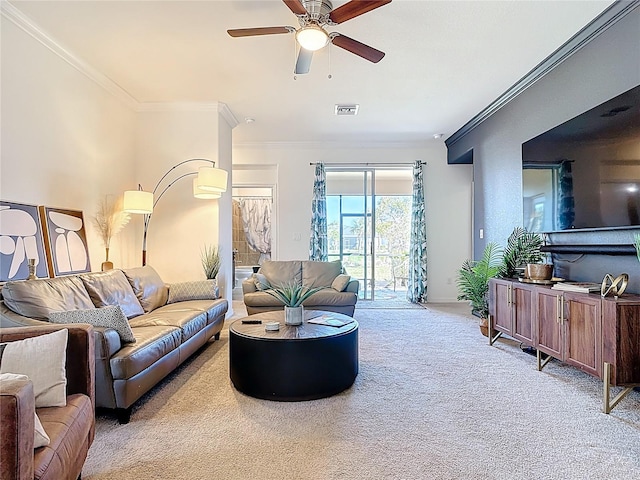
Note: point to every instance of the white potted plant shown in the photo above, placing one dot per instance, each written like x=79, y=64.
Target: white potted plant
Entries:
x=292, y=295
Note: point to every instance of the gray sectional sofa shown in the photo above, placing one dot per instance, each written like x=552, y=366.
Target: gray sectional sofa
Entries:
x=168, y=322
x=339, y=295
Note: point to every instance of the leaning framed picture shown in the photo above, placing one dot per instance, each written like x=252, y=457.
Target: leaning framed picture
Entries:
x=21, y=239
x=65, y=241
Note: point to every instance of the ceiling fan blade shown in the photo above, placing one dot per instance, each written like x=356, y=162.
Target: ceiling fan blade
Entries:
x=296, y=6
x=357, y=48
x=250, y=32
x=304, y=61
x=355, y=8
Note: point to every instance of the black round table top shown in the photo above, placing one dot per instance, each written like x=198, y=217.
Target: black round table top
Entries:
x=288, y=332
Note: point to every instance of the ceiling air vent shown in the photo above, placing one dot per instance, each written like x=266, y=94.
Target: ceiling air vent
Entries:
x=347, y=109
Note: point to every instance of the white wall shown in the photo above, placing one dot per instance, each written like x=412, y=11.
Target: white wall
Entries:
x=180, y=225
x=448, y=200
x=66, y=142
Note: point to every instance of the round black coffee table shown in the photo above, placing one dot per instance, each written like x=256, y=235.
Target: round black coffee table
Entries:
x=306, y=362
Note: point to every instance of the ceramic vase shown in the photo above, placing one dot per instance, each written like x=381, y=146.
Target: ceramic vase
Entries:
x=293, y=315
x=107, y=265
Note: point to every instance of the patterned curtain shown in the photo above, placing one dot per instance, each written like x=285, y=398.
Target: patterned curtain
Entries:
x=256, y=223
x=318, y=241
x=417, y=285
x=566, y=205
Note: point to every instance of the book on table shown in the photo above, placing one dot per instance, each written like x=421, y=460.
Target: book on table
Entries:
x=580, y=287
x=330, y=320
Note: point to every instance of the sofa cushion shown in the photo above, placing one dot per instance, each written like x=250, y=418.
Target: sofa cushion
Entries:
x=340, y=282
x=198, y=290
x=43, y=359
x=112, y=288
x=189, y=320
x=148, y=287
x=320, y=274
x=110, y=316
x=261, y=299
x=69, y=428
x=328, y=296
x=282, y=272
x=38, y=298
x=152, y=344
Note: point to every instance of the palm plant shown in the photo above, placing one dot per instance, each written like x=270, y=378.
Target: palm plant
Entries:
x=636, y=244
x=522, y=247
x=211, y=260
x=291, y=294
x=473, y=279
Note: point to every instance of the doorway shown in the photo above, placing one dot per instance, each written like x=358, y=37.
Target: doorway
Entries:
x=368, y=227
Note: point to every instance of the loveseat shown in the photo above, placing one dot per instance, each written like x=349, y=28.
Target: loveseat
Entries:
x=70, y=428
x=163, y=324
x=339, y=295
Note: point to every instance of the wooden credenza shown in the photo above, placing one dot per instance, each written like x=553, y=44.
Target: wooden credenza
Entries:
x=600, y=336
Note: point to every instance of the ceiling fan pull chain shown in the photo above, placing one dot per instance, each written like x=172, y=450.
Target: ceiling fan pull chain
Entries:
x=329, y=55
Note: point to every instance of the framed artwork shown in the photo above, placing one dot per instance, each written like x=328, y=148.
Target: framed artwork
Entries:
x=65, y=241
x=20, y=239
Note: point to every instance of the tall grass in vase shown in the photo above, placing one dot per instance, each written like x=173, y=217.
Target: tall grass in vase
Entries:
x=109, y=219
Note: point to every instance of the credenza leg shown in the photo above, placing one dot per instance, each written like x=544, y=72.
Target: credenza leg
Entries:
x=540, y=361
x=492, y=337
x=608, y=403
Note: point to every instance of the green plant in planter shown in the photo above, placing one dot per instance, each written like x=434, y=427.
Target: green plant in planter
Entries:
x=211, y=260
x=292, y=294
x=522, y=247
x=473, y=279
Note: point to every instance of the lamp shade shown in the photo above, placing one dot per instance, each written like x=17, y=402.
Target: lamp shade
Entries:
x=138, y=201
x=204, y=194
x=212, y=179
x=312, y=37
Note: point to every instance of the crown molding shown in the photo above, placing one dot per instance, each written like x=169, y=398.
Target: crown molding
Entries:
x=177, y=107
x=14, y=15
x=227, y=114
x=614, y=13
x=331, y=145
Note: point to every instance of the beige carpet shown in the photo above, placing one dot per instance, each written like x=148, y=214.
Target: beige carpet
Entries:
x=432, y=401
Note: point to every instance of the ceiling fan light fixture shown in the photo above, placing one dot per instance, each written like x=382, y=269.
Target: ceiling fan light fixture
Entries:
x=312, y=37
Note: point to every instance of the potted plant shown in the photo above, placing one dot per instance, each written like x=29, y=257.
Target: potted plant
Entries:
x=211, y=260
x=523, y=247
x=292, y=295
x=473, y=282
x=109, y=220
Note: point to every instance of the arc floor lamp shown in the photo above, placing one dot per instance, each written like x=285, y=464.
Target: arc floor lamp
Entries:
x=209, y=183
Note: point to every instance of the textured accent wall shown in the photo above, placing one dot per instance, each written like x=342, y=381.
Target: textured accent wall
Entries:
x=603, y=68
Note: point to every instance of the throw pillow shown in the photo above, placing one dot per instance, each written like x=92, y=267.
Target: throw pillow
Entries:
x=40, y=437
x=261, y=282
x=341, y=282
x=112, y=288
x=148, y=287
x=43, y=360
x=110, y=317
x=198, y=290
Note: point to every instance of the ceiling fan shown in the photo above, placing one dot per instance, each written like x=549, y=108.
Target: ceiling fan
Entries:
x=314, y=16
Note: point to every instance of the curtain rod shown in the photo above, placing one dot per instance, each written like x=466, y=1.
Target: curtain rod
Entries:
x=368, y=164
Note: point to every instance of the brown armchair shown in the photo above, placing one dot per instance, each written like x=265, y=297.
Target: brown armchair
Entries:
x=71, y=428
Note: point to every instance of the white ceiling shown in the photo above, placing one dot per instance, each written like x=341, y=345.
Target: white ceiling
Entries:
x=445, y=60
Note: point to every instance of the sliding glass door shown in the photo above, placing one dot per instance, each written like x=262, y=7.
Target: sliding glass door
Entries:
x=369, y=231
